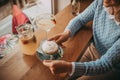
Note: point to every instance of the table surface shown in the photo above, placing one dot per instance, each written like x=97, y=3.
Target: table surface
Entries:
x=17, y=66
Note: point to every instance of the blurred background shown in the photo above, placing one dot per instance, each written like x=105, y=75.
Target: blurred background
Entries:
x=29, y=7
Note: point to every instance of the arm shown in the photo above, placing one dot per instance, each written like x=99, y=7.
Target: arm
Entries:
x=87, y=15
x=76, y=23
x=107, y=62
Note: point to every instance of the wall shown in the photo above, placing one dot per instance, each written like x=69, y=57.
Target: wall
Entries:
x=62, y=4
x=58, y=5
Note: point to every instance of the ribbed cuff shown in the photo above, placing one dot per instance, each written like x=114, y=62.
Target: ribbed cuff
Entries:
x=80, y=69
x=73, y=69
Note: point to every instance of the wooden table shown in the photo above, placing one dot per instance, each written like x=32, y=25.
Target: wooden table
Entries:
x=17, y=66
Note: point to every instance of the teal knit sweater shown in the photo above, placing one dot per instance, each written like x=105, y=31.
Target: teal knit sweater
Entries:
x=106, y=35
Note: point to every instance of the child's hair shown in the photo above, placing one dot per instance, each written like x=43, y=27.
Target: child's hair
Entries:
x=117, y=16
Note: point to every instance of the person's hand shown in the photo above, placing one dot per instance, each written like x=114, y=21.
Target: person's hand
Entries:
x=58, y=66
x=60, y=38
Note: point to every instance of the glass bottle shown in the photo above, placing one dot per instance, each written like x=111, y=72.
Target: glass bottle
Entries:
x=75, y=7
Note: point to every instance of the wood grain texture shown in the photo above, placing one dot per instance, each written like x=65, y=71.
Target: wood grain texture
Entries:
x=17, y=66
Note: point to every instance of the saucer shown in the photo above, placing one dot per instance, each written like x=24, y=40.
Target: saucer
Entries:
x=43, y=56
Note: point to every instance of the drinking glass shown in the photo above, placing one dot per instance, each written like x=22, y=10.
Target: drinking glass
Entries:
x=45, y=22
x=25, y=33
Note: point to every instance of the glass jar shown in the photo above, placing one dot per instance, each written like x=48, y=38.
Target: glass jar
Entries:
x=25, y=33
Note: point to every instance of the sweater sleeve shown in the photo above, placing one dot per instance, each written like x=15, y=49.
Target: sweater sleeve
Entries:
x=109, y=61
x=88, y=14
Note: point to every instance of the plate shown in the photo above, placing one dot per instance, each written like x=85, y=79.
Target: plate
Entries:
x=43, y=56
